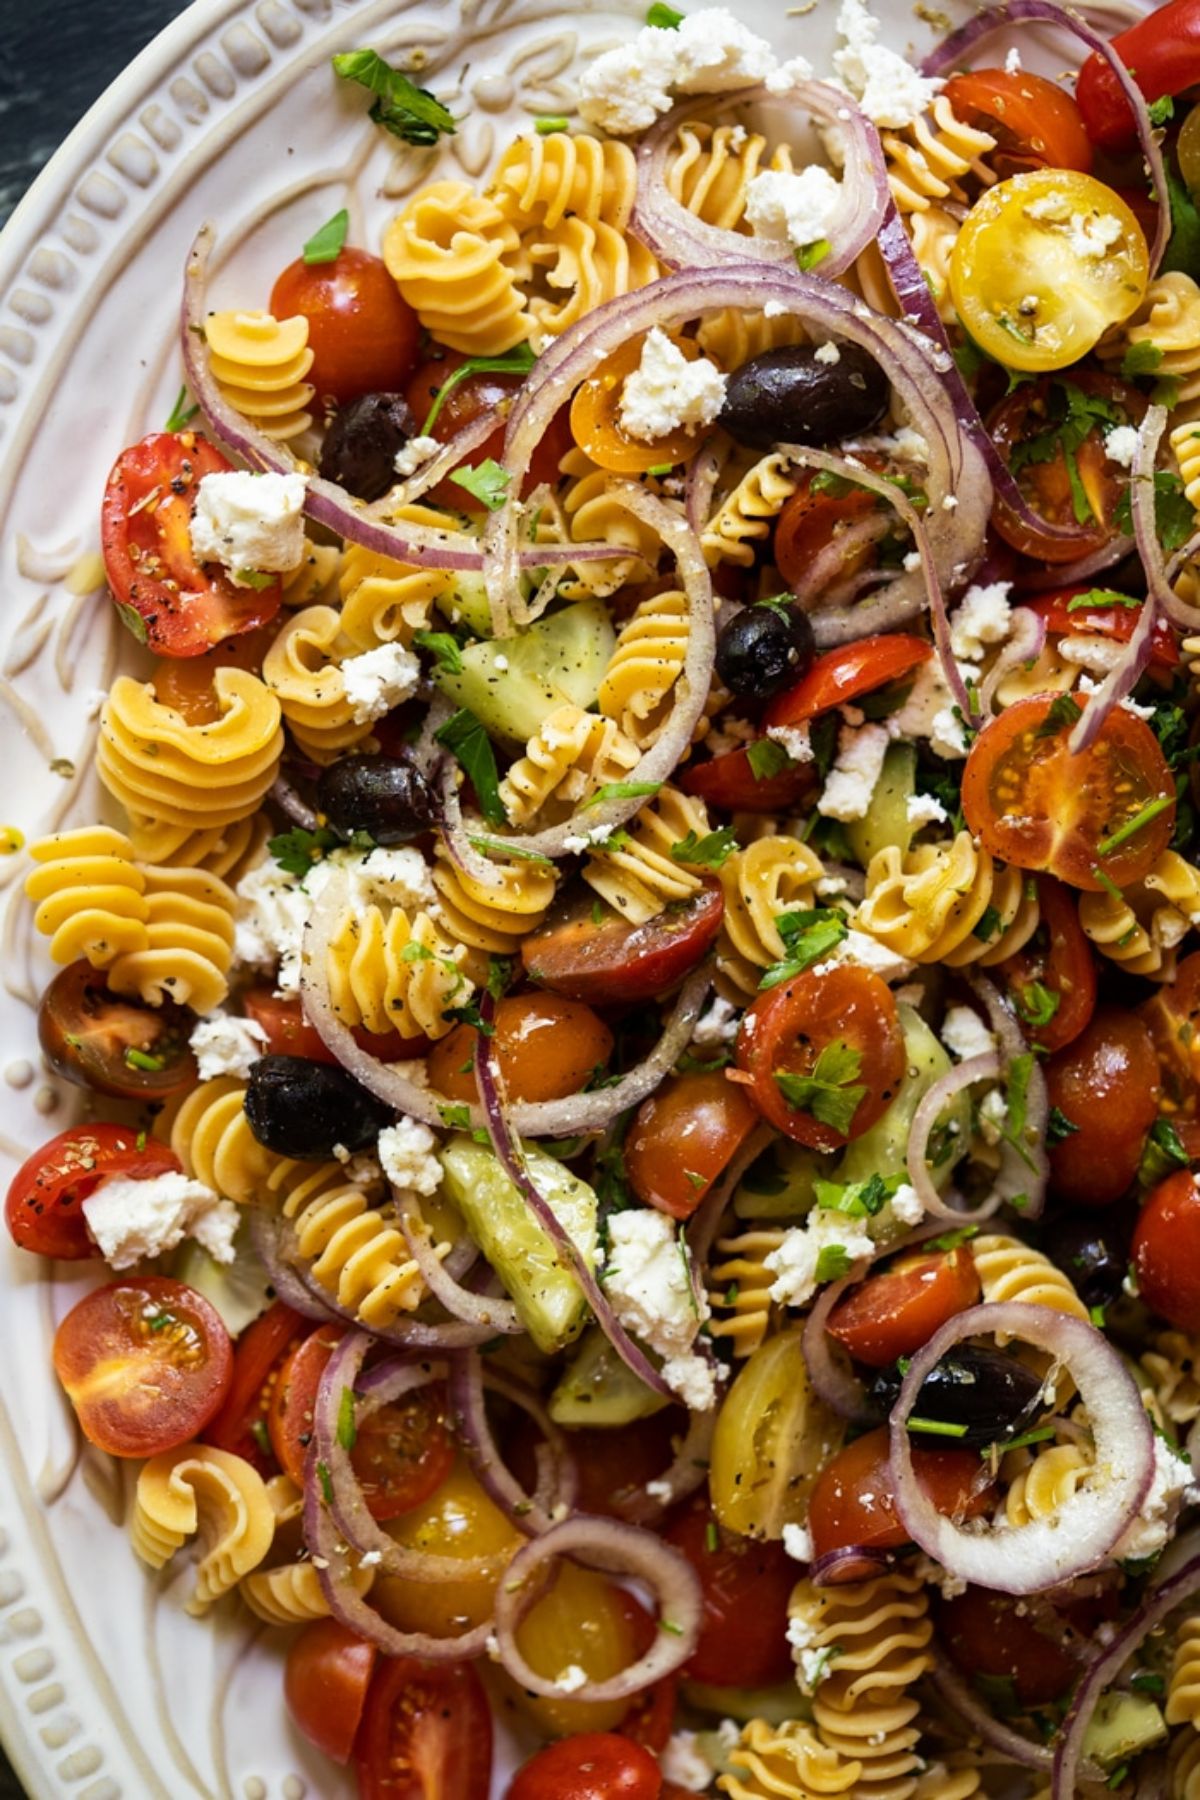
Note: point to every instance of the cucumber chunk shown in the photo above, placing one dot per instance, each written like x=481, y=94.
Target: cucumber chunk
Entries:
x=597, y=1388
x=510, y=684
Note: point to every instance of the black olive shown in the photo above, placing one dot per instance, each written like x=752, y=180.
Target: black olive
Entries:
x=990, y=1393
x=389, y=800
x=301, y=1108
x=1093, y=1254
x=360, y=446
x=764, y=649
x=789, y=397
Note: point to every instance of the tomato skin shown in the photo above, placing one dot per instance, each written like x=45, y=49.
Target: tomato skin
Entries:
x=186, y=685
x=618, y=964
x=43, y=1209
x=85, y=1032
x=325, y=1682
x=683, y=1137
x=256, y=1359
x=1172, y=1017
x=1161, y=52
x=426, y=1733
x=1066, y=966
x=1038, y=806
x=139, y=1388
x=986, y=1633
x=893, y=1314
x=463, y=405
x=290, y=1034
x=1107, y=1083
x=593, y=1766
x=1104, y=621
x=363, y=336
x=854, y=1502
x=1026, y=413
x=595, y=416
x=547, y=1047
x=786, y=1029
x=1036, y=125
x=812, y=519
x=843, y=674
x=746, y=1583
x=729, y=781
x=1166, y=1251
x=185, y=607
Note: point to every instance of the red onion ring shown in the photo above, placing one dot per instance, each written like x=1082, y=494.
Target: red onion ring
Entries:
x=558, y=1481
x=702, y=474
x=930, y=1107
x=850, y=1562
x=288, y=801
x=965, y=1701
x=1045, y=1552
x=1027, y=1173
x=499, y=1316
x=617, y=1549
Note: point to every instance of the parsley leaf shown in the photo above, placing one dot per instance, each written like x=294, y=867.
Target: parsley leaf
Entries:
x=133, y=621
x=471, y=748
x=1142, y=358
x=347, y=1426
x=255, y=578
x=1174, y=520
x=513, y=362
x=623, y=790
x=443, y=647
x=830, y=1093
x=1163, y=1153
x=665, y=17
x=710, y=852
x=987, y=925
x=297, y=850
x=832, y=1263
x=1097, y=598
x=767, y=758
x=401, y=107
x=1016, y=1103
x=1037, y=1004
x=1183, y=245
x=807, y=936
x=1073, y=416
x=1063, y=713
x=1058, y=1127
x=861, y=1199
x=1161, y=110
x=325, y=246
x=487, y=481
x=457, y=1115
x=809, y=255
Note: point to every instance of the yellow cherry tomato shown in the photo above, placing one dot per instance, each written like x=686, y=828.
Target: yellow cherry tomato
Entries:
x=582, y=1622
x=595, y=417
x=458, y=1520
x=1044, y=264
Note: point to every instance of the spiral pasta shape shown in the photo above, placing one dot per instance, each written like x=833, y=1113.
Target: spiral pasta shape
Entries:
x=388, y=972
x=228, y=851
x=744, y=518
x=575, y=267
x=164, y=770
x=934, y=234
x=1169, y=319
x=785, y=1762
x=739, y=1288
x=928, y=162
x=1184, y=1767
x=88, y=895
x=731, y=337
x=302, y=670
x=492, y=916
x=1140, y=927
x=260, y=364
x=212, y=1138
x=637, y=874
x=712, y=166
x=189, y=942
x=776, y=875
x=542, y=180
x=385, y=602
x=938, y=1782
x=448, y=252
x=1171, y=1364
x=1014, y=898
x=595, y=511
x=1009, y=1270
x=927, y=904
x=313, y=575
x=197, y=1490
x=572, y=755
x=1183, y=1691
x=647, y=661
x=292, y=1594
x=355, y=1249
x=1040, y=1491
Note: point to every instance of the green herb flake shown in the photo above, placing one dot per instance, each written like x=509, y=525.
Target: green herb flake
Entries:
x=709, y=852
x=832, y=1263
x=1058, y=1127
x=326, y=1480
x=256, y=579
x=486, y=480
x=807, y=937
x=1174, y=520
x=934, y=1427
x=160, y=1321
x=810, y=255
x=347, y=1427
x=954, y=1240
x=262, y=1437
x=1131, y=827
x=861, y=1199
x=468, y=743
x=1037, y=1004
x=1161, y=111
x=325, y=246
x=457, y=1116
x=1096, y=599
x=1142, y=358
x=297, y=850
x=665, y=18
x=549, y=123
x=831, y=1094
x=444, y=648
x=401, y=107
x=1064, y=712
x=623, y=790
x=133, y=621
x=1146, y=1682
x=988, y=925
x=1098, y=1316
x=513, y=362
x=181, y=413
x=1162, y=1154
x=767, y=758
x=142, y=1059
x=712, y=1537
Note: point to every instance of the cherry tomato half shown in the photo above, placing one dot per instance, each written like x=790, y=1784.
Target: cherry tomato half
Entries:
x=184, y=607
x=1172, y=1016
x=613, y=962
x=426, y=1733
x=465, y=402
x=1106, y=1083
x=992, y=1634
x=596, y=1765
x=44, y=1210
x=241, y=1424
x=595, y=417
x=1054, y=972
x=1166, y=1251
x=1035, y=124
x=892, y=1314
x=146, y=1363
x=730, y=781
x=683, y=1137
x=290, y=1034
x=817, y=515
x=187, y=687
x=547, y=1047
x=854, y=1502
x=1105, y=815
x=835, y=1040
x=844, y=674
x=746, y=1584
x=363, y=336
x=1117, y=622
x=325, y=1682
x=1161, y=52
x=112, y=1044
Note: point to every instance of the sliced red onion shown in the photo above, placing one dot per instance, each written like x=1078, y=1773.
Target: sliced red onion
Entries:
x=265, y=1236
x=933, y=1102
x=450, y=456
x=974, y=1712
x=1025, y=643
x=1087, y=1525
x=702, y=475
x=288, y=800
x=849, y=1562
x=680, y=240
x=687, y=1472
x=825, y=577
x=1038, y=578
x=558, y=1482
x=617, y=1549
x=499, y=1316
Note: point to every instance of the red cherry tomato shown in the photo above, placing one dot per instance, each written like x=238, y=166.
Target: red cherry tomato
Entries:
x=813, y=518
x=1166, y=1251
x=651, y=1713
x=184, y=607
x=87, y=1033
x=1161, y=52
x=146, y=1363
x=1105, y=815
x=730, y=781
x=596, y=1765
x=1172, y=1017
x=465, y=402
x=426, y=1733
x=44, y=1205
x=746, y=1583
x=1104, y=621
x=682, y=1137
x=325, y=1682
x=613, y=1462
x=1107, y=1084
x=893, y=1314
x=547, y=1047
x=612, y=962
x=1058, y=958
x=241, y=1424
x=1035, y=124
x=363, y=336
x=835, y=1040
x=854, y=1502
x=844, y=674
x=290, y=1034
x=995, y=1635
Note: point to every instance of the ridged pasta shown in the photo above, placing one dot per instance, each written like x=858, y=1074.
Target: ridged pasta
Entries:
x=385, y=602
x=731, y=337
x=785, y=1762
x=355, y=1248
x=1183, y=1767
x=197, y=1490
x=1171, y=1364
x=188, y=950
x=1009, y=1270
x=260, y=364
x=638, y=875
x=212, y=1138
x=164, y=770
x=711, y=168
x=928, y=162
x=313, y=575
x=542, y=180
x=292, y=1594
x=1014, y=898
x=938, y=1782
x=1040, y=1490
x=647, y=661
x=88, y=895
x=576, y=267
x=744, y=518
x=302, y=670
x=571, y=756
x=773, y=876
x=388, y=972
x=595, y=511
x=492, y=916
x=1168, y=318
x=224, y=850
x=1048, y=674
x=1183, y=1690
x=927, y=904
x=448, y=253
x=1140, y=927
x=739, y=1288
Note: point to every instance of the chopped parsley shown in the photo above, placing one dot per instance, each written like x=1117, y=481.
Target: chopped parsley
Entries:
x=1037, y=1004
x=1072, y=417
x=297, y=850
x=470, y=746
x=1058, y=1127
x=443, y=648
x=832, y=1263
x=664, y=17
x=987, y=925
x=807, y=936
x=456, y=1115
x=347, y=1428
x=1064, y=712
x=709, y=852
x=1097, y=598
x=809, y=255
x=831, y=1093
x=767, y=758
x=623, y=790
x=549, y=123
x=325, y=246
x=133, y=621
x=1163, y=1153
x=1162, y=110
x=486, y=480
x=257, y=579
x=513, y=362
x=861, y=1199
x=142, y=1059
x=1142, y=358
x=401, y=107
x=1174, y=520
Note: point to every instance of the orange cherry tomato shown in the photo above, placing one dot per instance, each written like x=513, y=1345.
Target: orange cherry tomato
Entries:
x=290, y=1034
x=43, y=1210
x=547, y=1047
x=835, y=1039
x=746, y=1584
x=730, y=781
x=892, y=1314
x=1104, y=621
x=814, y=517
x=464, y=403
x=241, y=1424
x=1059, y=959
x=1103, y=816
x=363, y=336
x=844, y=674
x=426, y=1733
x=325, y=1682
x=1166, y=1251
x=595, y=417
x=683, y=1137
x=187, y=686
x=146, y=1363
x=594, y=1765
x=998, y=1636
x=613, y=962
x=1106, y=1083
x=854, y=1502
x=1172, y=1016
x=1036, y=125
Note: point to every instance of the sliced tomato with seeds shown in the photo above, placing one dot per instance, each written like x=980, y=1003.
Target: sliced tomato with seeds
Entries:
x=546, y=1045
x=758, y=778
x=44, y=1208
x=1052, y=978
x=854, y=1500
x=112, y=1043
x=843, y=675
x=1172, y=1016
x=426, y=1733
x=1114, y=620
x=588, y=952
x=892, y=1314
x=1035, y=123
x=241, y=1424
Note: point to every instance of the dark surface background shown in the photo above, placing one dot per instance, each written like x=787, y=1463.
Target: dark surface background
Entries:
x=59, y=56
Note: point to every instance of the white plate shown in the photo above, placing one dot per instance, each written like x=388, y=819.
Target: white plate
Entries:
x=106, y=1688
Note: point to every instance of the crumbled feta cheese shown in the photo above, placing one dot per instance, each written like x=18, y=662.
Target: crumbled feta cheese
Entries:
x=647, y=1281
x=1012, y=62
x=359, y=1168
x=829, y=886
x=789, y=75
x=1156, y=1515
x=401, y=875
x=828, y=353
x=774, y=309
x=667, y=392
x=907, y=1205
x=132, y=1219
x=888, y=89
x=798, y=209
x=795, y=739
x=662, y=1491
x=1088, y=686
x=797, y=1541
x=868, y=953
x=226, y=1045
x=949, y=502
x=571, y=1679
x=412, y=455
x=1054, y=207
x=993, y=1116
x=251, y=524
x=1120, y=445
x=1091, y=650
x=965, y=1035
x=370, y=1559
x=925, y=809
x=982, y=617
x=717, y=1026
x=794, y=1263
x=378, y=680
x=929, y=711
x=1092, y=235
x=684, y=1765
x=408, y=1154
x=933, y=1574
x=912, y=562
x=692, y=1380
x=909, y=446
x=812, y=1666
x=710, y=52
x=852, y=779
x=272, y=908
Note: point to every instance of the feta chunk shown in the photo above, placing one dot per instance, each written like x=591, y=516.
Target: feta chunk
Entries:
x=861, y=948
x=251, y=524
x=717, y=1026
x=1156, y=1515
x=647, y=1281
x=982, y=617
x=888, y=89
x=272, y=909
x=407, y=1152
x=710, y=52
x=993, y=1117
x=682, y=1763
x=852, y=779
x=929, y=711
x=1092, y=235
x=413, y=455
x=132, y=1219
x=401, y=875
x=225, y=1045
x=906, y=1205
x=667, y=392
x=796, y=740
x=378, y=680
x=798, y=209
x=1120, y=445
x=797, y=1541
x=1091, y=650
x=925, y=809
x=794, y=1263
x=1012, y=62
x=571, y=1679
x=965, y=1035
x=828, y=353
x=692, y=1380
